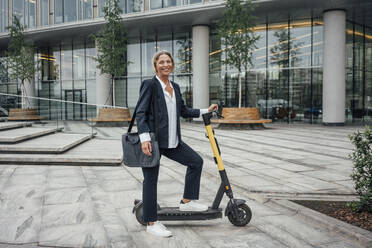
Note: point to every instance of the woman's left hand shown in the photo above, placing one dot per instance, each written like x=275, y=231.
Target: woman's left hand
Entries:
x=213, y=107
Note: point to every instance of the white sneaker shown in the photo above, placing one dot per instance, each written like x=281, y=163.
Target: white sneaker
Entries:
x=158, y=229
x=193, y=206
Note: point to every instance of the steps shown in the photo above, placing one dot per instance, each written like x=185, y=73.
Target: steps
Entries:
x=8, y=126
x=55, y=144
x=43, y=145
x=22, y=134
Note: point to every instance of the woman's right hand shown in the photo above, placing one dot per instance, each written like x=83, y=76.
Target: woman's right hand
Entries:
x=147, y=148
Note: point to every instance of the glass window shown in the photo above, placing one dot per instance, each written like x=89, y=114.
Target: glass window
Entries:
x=85, y=9
x=278, y=57
x=300, y=69
x=70, y=10
x=3, y=15
x=358, y=91
x=170, y=3
x=182, y=51
x=156, y=4
x=79, y=61
x=164, y=40
x=44, y=15
x=134, y=6
x=18, y=10
x=134, y=56
x=349, y=69
x=122, y=6
x=195, y=1
x=148, y=45
x=58, y=11
x=66, y=61
x=91, y=63
x=32, y=13
x=101, y=4
x=317, y=82
x=91, y=98
x=120, y=92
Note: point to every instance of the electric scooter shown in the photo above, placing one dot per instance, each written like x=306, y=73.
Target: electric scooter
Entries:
x=237, y=211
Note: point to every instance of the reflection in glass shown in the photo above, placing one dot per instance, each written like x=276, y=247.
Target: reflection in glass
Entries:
x=66, y=60
x=3, y=15
x=79, y=62
x=368, y=74
x=44, y=15
x=101, y=5
x=58, y=11
x=91, y=64
x=182, y=52
x=120, y=91
x=134, y=56
x=18, y=10
x=85, y=9
x=156, y=4
x=70, y=10
x=31, y=13
x=278, y=56
x=148, y=47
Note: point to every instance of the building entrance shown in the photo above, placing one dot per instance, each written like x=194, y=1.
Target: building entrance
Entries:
x=73, y=111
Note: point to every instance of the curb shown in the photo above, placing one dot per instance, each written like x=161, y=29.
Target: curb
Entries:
x=363, y=236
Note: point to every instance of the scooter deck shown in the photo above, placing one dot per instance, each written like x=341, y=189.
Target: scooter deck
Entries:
x=173, y=213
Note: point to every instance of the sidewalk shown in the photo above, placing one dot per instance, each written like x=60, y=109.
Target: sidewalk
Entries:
x=91, y=206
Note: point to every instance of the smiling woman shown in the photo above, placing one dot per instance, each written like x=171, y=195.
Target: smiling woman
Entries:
x=164, y=120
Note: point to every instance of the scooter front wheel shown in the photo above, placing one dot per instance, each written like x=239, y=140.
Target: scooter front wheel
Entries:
x=243, y=218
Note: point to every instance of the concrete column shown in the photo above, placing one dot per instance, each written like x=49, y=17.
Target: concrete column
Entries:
x=28, y=90
x=334, y=60
x=200, y=66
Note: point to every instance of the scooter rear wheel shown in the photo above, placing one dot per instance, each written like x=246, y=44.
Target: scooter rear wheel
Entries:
x=243, y=218
x=139, y=214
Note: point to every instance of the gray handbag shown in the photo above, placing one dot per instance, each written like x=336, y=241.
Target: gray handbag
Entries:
x=132, y=147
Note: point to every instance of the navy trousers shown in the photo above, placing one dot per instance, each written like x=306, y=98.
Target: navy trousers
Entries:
x=184, y=155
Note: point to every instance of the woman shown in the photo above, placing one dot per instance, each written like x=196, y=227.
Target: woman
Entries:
x=170, y=108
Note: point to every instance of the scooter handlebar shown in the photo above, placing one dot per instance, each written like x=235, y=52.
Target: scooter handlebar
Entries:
x=208, y=116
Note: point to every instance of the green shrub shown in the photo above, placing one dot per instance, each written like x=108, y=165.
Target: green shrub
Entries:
x=362, y=171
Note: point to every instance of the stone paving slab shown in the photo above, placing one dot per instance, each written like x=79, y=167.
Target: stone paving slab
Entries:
x=22, y=134
x=54, y=143
x=91, y=206
x=12, y=125
x=93, y=152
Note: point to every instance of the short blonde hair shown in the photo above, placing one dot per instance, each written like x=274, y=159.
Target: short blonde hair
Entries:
x=156, y=56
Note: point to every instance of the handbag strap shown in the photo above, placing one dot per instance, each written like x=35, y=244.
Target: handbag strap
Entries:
x=154, y=104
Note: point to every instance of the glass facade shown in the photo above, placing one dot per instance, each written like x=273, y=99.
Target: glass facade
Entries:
x=358, y=73
x=285, y=79
x=72, y=10
x=3, y=15
x=25, y=11
x=126, y=6
x=44, y=12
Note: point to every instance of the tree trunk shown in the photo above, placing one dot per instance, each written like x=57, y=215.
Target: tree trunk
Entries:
x=113, y=91
x=240, y=89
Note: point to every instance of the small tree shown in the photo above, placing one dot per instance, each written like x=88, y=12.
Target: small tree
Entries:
x=236, y=33
x=362, y=171
x=111, y=44
x=21, y=61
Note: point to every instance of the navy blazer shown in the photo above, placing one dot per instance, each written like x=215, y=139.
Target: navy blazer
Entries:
x=145, y=111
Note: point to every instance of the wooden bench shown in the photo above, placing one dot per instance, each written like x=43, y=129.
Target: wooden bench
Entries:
x=108, y=116
x=240, y=118
x=24, y=115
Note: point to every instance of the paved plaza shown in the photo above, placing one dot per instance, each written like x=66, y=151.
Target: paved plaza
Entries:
x=71, y=205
